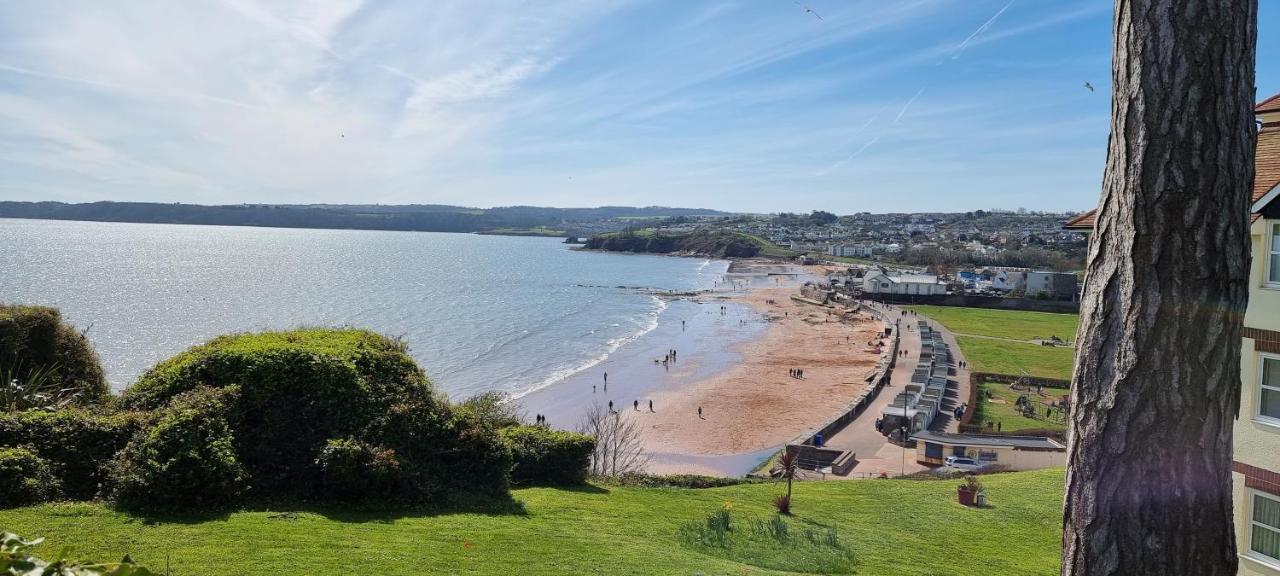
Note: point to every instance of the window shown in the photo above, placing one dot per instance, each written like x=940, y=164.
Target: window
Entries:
x=1273, y=256
x=1269, y=388
x=1264, y=527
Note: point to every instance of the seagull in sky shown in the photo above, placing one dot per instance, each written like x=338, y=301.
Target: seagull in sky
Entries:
x=808, y=10
x=1089, y=86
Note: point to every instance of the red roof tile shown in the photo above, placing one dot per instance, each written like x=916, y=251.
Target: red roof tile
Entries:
x=1266, y=164
x=1081, y=222
x=1271, y=104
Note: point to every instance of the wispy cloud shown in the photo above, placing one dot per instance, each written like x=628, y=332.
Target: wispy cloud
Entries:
x=490, y=102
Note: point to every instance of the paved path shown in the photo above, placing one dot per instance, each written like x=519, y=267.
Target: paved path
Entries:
x=875, y=454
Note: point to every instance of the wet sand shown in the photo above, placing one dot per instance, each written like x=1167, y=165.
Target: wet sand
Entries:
x=734, y=364
x=756, y=404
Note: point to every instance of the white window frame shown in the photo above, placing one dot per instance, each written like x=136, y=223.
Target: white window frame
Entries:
x=1257, y=411
x=1249, y=551
x=1268, y=250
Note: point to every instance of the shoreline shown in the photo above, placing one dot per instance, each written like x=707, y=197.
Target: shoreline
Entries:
x=734, y=363
x=755, y=406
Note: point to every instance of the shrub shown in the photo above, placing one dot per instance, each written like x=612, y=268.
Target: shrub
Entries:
x=493, y=409
x=692, y=481
x=299, y=390
x=782, y=503
x=24, y=478
x=443, y=451
x=34, y=339
x=16, y=559
x=545, y=456
x=76, y=443
x=353, y=470
x=186, y=459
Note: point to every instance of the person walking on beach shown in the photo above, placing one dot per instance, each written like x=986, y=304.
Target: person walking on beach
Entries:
x=611, y=405
x=593, y=388
x=651, y=405
x=606, y=378
x=699, y=412
x=635, y=405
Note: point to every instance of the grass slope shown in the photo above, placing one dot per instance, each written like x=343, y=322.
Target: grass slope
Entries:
x=1004, y=357
x=892, y=526
x=1013, y=324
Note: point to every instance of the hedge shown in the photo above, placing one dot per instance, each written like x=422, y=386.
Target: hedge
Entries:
x=24, y=478
x=34, y=338
x=76, y=443
x=546, y=456
x=354, y=470
x=186, y=459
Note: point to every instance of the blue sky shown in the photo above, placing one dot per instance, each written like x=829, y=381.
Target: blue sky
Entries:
x=751, y=105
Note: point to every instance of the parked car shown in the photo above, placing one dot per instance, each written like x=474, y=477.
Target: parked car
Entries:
x=962, y=463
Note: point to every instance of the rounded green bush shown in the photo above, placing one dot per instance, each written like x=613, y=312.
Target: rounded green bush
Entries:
x=187, y=459
x=35, y=344
x=546, y=456
x=25, y=478
x=299, y=389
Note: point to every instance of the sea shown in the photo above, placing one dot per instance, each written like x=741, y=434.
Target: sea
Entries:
x=479, y=313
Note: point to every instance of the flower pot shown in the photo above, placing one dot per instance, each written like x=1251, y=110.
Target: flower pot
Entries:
x=965, y=496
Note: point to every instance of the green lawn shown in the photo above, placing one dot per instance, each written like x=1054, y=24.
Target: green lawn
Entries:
x=1008, y=417
x=889, y=527
x=1014, y=324
x=1004, y=357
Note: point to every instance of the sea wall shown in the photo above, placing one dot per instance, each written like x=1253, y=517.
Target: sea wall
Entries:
x=876, y=382
x=969, y=301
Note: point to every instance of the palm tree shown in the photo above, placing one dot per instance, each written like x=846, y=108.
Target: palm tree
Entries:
x=788, y=465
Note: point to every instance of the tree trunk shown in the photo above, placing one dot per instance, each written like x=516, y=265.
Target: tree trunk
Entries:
x=1157, y=374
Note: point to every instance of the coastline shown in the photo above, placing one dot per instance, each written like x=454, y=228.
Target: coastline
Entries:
x=734, y=363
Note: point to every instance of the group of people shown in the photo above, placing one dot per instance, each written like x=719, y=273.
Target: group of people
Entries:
x=960, y=410
x=540, y=419
x=797, y=372
x=667, y=360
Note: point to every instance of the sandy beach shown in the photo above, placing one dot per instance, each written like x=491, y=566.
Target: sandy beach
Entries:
x=755, y=404
x=735, y=364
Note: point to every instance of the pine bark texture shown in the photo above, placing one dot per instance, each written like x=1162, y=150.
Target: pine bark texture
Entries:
x=1157, y=372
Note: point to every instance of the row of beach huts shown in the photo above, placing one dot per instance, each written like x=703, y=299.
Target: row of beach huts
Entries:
x=919, y=403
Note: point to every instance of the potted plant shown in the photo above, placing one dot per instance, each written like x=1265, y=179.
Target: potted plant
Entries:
x=967, y=493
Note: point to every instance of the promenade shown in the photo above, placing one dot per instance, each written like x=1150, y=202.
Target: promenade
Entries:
x=875, y=454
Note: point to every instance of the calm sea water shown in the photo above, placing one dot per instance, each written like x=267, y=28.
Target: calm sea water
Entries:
x=479, y=312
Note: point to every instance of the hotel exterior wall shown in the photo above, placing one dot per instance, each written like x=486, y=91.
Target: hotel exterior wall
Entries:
x=1257, y=442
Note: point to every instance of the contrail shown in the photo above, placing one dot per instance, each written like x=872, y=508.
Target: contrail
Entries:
x=983, y=28
x=125, y=87
x=908, y=105
x=860, y=130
